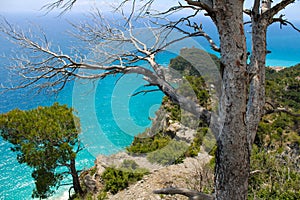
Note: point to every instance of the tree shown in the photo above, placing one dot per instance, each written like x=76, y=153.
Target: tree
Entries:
x=46, y=139
x=242, y=96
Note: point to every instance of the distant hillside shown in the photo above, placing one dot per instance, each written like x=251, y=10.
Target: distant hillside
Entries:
x=283, y=87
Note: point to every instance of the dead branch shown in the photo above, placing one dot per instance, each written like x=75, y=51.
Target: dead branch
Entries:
x=144, y=9
x=247, y=12
x=206, y=5
x=45, y=68
x=193, y=195
x=176, y=9
x=284, y=22
x=269, y=14
x=196, y=29
x=282, y=110
x=278, y=110
x=64, y=5
x=144, y=92
x=256, y=172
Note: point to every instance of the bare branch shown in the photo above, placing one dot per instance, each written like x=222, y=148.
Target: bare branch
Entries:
x=196, y=29
x=65, y=5
x=202, y=33
x=282, y=110
x=269, y=14
x=132, y=11
x=284, y=22
x=206, y=5
x=273, y=109
x=145, y=92
x=46, y=69
x=177, y=8
x=142, y=10
x=256, y=172
x=248, y=12
x=185, y=192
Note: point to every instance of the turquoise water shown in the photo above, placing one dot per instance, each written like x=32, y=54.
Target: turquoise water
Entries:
x=110, y=116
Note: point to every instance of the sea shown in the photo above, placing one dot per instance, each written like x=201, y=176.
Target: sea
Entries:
x=110, y=115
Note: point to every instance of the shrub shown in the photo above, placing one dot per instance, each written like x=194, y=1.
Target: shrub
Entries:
x=170, y=154
x=129, y=164
x=102, y=196
x=277, y=179
x=194, y=148
x=148, y=144
x=116, y=179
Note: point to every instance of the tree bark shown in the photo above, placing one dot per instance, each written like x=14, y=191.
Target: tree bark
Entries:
x=75, y=178
x=256, y=70
x=233, y=153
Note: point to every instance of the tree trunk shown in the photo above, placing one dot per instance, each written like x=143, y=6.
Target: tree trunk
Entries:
x=233, y=153
x=75, y=178
x=256, y=70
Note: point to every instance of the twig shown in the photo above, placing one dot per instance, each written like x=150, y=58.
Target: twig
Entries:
x=145, y=92
x=282, y=110
x=284, y=22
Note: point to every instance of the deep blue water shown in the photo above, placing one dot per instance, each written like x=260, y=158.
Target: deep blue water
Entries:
x=109, y=115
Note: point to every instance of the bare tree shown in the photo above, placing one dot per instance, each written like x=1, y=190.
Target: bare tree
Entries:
x=47, y=68
x=243, y=83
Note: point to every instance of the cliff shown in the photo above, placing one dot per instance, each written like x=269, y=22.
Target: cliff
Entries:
x=275, y=156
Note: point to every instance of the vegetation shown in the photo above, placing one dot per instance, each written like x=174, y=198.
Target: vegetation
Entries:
x=161, y=144
x=46, y=139
x=283, y=87
x=240, y=108
x=116, y=179
x=194, y=148
x=275, y=152
x=148, y=144
x=198, y=87
x=275, y=175
x=275, y=170
x=194, y=83
x=171, y=154
x=207, y=62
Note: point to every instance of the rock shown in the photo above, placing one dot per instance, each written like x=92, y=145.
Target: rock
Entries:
x=173, y=127
x=90, y=183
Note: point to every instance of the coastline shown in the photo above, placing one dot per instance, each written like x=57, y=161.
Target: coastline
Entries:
x=277, y=68
x=11, y=101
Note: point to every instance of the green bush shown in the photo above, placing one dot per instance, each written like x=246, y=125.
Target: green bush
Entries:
x=170, y=154
x=148, y=144
x=129, y=164
x=194, y=148
x=88, y=196
x=198, y=87
x=116, y=179
x=102, y=196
